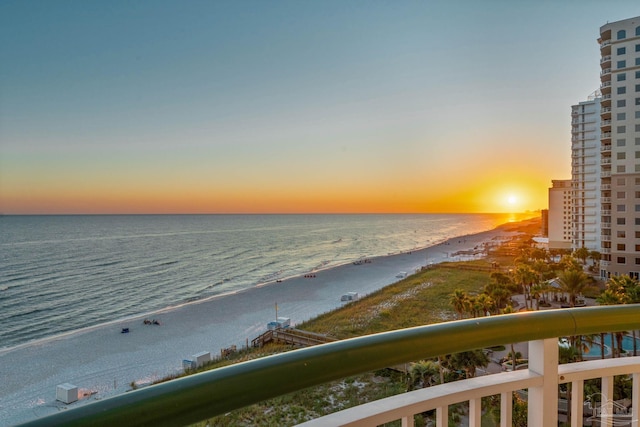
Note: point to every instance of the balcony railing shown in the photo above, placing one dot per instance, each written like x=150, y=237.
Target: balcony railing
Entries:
x=207, y=394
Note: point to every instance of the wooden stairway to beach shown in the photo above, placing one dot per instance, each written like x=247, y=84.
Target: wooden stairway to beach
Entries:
x=295, y=337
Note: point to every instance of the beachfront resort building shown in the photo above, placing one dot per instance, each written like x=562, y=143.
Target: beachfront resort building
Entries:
x=560, y=219
x=620, y=147
x=585, y=173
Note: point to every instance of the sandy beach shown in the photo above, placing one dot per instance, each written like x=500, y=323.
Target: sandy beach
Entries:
x=104, y=362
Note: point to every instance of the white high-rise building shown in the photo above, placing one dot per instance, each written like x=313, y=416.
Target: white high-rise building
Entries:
x=585, y=173
x=560, y=219
x=620, y=147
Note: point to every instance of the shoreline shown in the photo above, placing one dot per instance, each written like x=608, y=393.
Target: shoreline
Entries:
x=105, y=362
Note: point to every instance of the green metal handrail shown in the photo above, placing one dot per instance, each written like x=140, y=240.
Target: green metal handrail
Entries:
x=197, y=397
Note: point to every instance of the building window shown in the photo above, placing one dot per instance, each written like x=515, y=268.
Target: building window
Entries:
x=621, y=142
x=622, y=34
x=621, y=129
x=621, y=247
x=622, y=90
x=621, y=77
x=637, y=248
x=621, y=50
x=621, y=234
x=621, y=64
x=637, y=221
x=621, y=181
x=638, y=72
x=637, y=128
x=621, y=208
x=637, y=141
x=620, y=221
x=637, y=208
x=621, y=169
x=621, y=103
x=638, y=114
x=637, y=261
x=621, y=116
x=622, y=260
x=621, y=156
x=637, y=101
x=621, y=195
x=637, y=234
x=637, y=61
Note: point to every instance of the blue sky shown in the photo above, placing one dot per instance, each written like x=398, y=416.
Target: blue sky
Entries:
x=256, y=106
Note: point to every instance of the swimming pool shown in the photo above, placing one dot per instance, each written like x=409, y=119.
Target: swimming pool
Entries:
x=627, y=345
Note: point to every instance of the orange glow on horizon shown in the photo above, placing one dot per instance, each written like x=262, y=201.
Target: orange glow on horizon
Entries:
x=481, y=198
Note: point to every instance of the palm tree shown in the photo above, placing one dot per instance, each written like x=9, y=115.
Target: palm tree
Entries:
x=473, y=306
x=622, y=290
x=536, y=293
x=525, y=277
x=423, y=374
x=459, y=301
x=567, y=262
x=499, y=289
x=498, y=293
x=509, y=310
x=595, y=257
x=608, y=297
x=469, y=361
x=582, y=254
x=574, y=282
x=486, y=303
x=568, y=354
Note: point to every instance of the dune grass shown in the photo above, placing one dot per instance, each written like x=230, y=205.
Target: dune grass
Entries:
x=420, y=299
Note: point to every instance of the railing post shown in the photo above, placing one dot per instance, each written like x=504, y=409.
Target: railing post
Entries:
x=635, y=399
x=506, y=409
x=606, y=405
x=543, y=401
x=577, y=403
x=442, y=416
x=408, y=421
x=475, y=412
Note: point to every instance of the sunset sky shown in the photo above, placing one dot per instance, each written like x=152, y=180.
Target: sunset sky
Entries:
x=291, y=106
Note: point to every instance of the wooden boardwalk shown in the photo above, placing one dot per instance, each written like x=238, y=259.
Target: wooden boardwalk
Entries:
x=290, y=336
x=300, y=338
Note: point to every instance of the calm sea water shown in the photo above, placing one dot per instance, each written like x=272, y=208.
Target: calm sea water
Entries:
x=62, y=273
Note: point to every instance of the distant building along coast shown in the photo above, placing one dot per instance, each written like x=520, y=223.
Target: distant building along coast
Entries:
x=605, y=160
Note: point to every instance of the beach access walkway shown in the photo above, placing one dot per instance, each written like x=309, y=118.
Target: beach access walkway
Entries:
x=290, y=336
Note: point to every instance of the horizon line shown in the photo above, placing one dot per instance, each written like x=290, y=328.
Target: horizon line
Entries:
x=265, y=213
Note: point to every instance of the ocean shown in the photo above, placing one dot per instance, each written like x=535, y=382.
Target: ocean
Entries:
x=63, y=273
